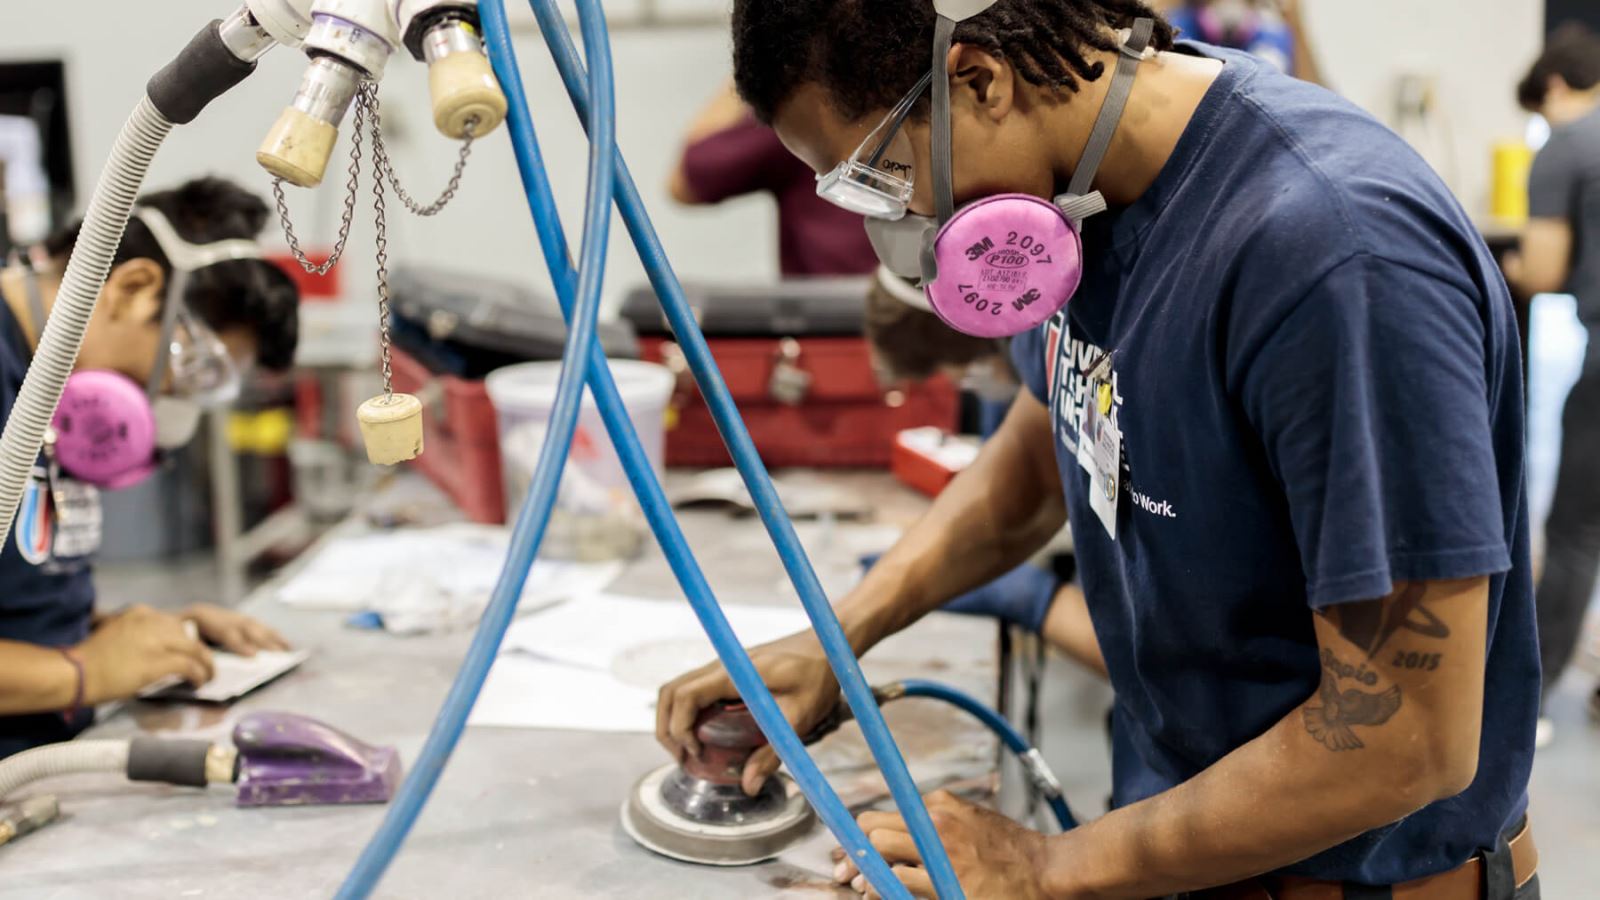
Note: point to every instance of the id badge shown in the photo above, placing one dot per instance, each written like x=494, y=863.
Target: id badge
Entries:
x=1100, y=445
x=79, y=520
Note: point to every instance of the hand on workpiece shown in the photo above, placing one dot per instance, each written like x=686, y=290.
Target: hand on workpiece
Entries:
x=232, y=631
x=794, y=669
x=993, y=856
x=135, y=648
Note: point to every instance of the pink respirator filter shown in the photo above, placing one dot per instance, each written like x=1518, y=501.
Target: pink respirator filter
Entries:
x=105, y=430
x=1006, y=265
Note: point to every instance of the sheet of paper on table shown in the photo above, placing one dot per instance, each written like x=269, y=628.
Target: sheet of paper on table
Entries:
x=430, y=579
x=596, y=663
x=234, y=676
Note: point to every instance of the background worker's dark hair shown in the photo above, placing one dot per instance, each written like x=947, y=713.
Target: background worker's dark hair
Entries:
x=868, y=53
x=911, y=344
x=251, y=294
x=1572, y=52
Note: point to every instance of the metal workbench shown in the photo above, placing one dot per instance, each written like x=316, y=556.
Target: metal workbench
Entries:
x=518, y=813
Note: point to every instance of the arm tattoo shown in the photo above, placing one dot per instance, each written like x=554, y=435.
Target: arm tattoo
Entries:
x=1329, y=719
x=1331, y=716
x=1369, y=626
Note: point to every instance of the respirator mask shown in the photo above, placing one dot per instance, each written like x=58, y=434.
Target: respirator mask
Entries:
x=1000, y=266
x=111, y=432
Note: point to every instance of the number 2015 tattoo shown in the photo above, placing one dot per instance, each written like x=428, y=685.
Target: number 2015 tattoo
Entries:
x=1331, y=717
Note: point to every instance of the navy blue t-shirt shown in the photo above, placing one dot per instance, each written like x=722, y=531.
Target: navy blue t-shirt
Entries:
x=50, y=602
x=1316, y=376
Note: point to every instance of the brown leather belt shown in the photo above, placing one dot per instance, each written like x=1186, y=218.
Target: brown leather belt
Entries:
x=1464, y=882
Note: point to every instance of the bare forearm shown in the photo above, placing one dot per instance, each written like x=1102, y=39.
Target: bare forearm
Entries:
x=1272, y=803
x=1394, y=726
x=34, y=679
x=990, y=519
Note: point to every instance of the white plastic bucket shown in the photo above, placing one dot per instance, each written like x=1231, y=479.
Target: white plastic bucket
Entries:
x=596, y=516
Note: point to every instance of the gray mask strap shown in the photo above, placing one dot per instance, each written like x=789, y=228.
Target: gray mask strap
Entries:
x=1105, y=126
x=30, y=286
x=944, y=33
x=169, y=327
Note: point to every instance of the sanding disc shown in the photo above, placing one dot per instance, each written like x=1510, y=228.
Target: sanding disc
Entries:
x=655, y=826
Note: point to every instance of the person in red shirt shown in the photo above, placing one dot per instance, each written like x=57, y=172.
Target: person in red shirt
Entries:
x=728, y=154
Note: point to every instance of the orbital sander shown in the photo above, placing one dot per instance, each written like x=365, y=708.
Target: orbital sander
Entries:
x=697, y=812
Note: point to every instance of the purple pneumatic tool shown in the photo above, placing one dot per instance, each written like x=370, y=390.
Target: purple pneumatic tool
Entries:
x=290, y=760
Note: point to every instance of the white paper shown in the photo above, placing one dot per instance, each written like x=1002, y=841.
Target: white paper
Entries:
x=234, y=676
x=597, y=663
x=430, y=579
x=523, y=692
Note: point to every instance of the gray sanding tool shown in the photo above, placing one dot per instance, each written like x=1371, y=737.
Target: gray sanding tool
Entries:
x=698, y=813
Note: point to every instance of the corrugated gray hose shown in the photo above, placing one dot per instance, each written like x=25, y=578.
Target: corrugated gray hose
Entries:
x=70, y=758
x=86, y=274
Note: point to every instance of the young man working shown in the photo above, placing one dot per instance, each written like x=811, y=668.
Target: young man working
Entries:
x=59, y=655
x=1559, y=253
x=1305, y=545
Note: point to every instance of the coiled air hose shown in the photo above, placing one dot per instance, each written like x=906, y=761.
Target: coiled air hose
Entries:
x=103, y=224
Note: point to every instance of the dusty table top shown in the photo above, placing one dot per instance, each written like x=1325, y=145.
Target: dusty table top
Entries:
x=518, y=812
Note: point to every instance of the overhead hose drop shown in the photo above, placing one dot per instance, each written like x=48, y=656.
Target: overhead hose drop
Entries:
x=858, y=694
x=642, y=477
x=529, y=530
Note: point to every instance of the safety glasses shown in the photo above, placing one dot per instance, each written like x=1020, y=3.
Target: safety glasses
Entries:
x=878, y=178
x=199, y=367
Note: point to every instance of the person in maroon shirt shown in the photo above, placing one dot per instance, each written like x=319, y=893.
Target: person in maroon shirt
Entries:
x=729, y=154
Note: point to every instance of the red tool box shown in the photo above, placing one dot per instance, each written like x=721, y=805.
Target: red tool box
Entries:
x=450, y=330
x=800, y=372
x=461, y=443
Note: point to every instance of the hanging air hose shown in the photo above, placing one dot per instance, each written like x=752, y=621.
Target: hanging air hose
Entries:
x=641, y=475
x=535, y=515
x=747, y=460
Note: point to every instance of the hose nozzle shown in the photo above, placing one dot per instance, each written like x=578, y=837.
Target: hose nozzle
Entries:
x=460, y=80
x=300, y=143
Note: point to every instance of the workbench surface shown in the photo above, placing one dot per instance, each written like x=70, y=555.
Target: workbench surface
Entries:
x=518, y=813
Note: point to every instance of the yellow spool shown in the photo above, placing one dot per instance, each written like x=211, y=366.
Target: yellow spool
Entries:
x=1508, y=201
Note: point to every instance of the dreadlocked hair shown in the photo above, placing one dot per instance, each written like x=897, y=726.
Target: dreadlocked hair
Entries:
x=868, y=53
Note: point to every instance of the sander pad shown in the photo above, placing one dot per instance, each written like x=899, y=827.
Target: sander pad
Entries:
x=698, y=813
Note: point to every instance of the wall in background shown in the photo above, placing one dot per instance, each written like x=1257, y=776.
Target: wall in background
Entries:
x=1474, y=49
x=663, y=77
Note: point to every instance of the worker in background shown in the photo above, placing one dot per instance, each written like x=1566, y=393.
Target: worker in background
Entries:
x=1299, y=521
x=729, y=154
x=59, y=655
x=1273, y=30
x=1561, y=253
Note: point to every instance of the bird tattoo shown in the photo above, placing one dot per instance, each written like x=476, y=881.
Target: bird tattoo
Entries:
x=1330, y=721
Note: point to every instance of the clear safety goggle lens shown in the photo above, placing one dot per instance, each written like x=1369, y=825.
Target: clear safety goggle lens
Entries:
x=866, y=191
x=200, y=365
x=878, y=179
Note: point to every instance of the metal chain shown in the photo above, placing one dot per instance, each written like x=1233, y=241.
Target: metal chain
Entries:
x=380, y=220
x=385, y=168
x=352, y=187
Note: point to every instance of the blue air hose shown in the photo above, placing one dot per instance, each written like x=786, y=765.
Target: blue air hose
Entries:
x=542, y=492
x=642, y=477
x=858, y=694
x=1042, y=778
